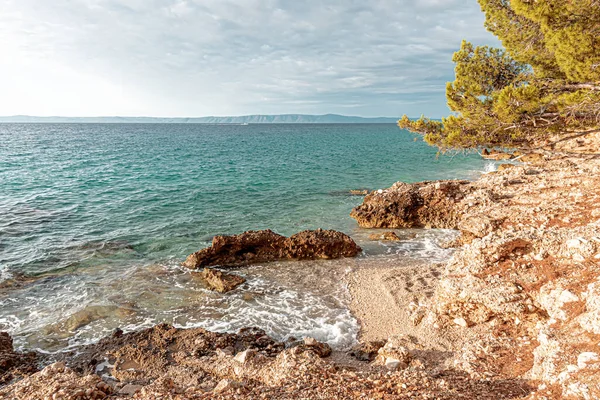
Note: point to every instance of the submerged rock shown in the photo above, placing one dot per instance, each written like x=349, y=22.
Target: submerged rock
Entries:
x=220, y=281
x=386, y=236
x=359, y=192
x=85, y=317
x=265, y=246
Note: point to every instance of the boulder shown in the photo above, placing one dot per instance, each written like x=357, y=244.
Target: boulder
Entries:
x=265, y=246
x=413, y=205
x=220, y=281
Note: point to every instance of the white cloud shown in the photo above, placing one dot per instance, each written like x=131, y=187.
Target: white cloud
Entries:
x=219, y=57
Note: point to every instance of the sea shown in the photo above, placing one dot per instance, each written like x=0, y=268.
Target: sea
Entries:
x=95, y=220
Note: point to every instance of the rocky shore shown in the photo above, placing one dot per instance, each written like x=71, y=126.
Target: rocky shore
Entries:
x=515, y=313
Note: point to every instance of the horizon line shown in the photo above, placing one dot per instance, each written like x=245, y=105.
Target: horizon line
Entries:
x=194, y=117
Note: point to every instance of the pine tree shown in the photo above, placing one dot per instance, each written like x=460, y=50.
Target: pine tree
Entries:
x=545, y=81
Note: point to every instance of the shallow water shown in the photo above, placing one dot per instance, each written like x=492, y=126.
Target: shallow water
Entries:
x=95, y=219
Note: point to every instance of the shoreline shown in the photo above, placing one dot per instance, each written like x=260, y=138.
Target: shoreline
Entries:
x=514, y=313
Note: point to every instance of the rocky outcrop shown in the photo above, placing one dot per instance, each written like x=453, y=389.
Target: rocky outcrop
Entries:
x=221, y=281
x=413, y=205
x=526, y=283
x=265, y=246
x=14, y=365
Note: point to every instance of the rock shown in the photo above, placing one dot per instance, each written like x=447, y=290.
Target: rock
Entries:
x=367, y=351
x=395, y=354
x=322, y=349
x=386, y=236
x=533, y=158
x=504, y=167
x=130, y=390
x=461, y=322
x=85, y=317
x=226, y=385
x=414, y=205
x=265, y=246
x=245, y=356
x=477, y=225
x=220, y=281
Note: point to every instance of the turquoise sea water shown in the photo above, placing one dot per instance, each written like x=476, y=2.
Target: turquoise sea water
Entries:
x=95, y=219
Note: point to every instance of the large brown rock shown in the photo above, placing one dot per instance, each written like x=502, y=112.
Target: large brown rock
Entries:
x=413, y=205
x=265, y=246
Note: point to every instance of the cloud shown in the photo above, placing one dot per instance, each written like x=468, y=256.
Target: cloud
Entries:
x=224, y=57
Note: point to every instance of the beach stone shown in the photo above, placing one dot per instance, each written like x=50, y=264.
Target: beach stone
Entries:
x=395, y=354
x=221, y=281
x=322, y=349
x=227, y=384
x=265, y=246
x=367, y=351
x=245, y=356
x=130, y=390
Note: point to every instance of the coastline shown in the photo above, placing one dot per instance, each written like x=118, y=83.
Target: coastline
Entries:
x=515, y=313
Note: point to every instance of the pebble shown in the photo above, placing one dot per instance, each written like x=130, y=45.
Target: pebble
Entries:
x=461, y=322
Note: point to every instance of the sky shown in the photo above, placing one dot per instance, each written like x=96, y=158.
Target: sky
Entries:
x=193, y=58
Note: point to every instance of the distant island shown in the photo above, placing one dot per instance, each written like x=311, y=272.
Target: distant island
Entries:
x=246, y=119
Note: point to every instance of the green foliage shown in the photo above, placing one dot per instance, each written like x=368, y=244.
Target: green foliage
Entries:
x=545, y=81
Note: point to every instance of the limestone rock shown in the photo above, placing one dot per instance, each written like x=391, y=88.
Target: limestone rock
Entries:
x=367, y=351
x=322, y=349
x=265, y=246
x=504, y=167
x=130, y=390
x=395, y=354
x=221, y=281
x=415, y=205
x=477, y=225
x=226, y=385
